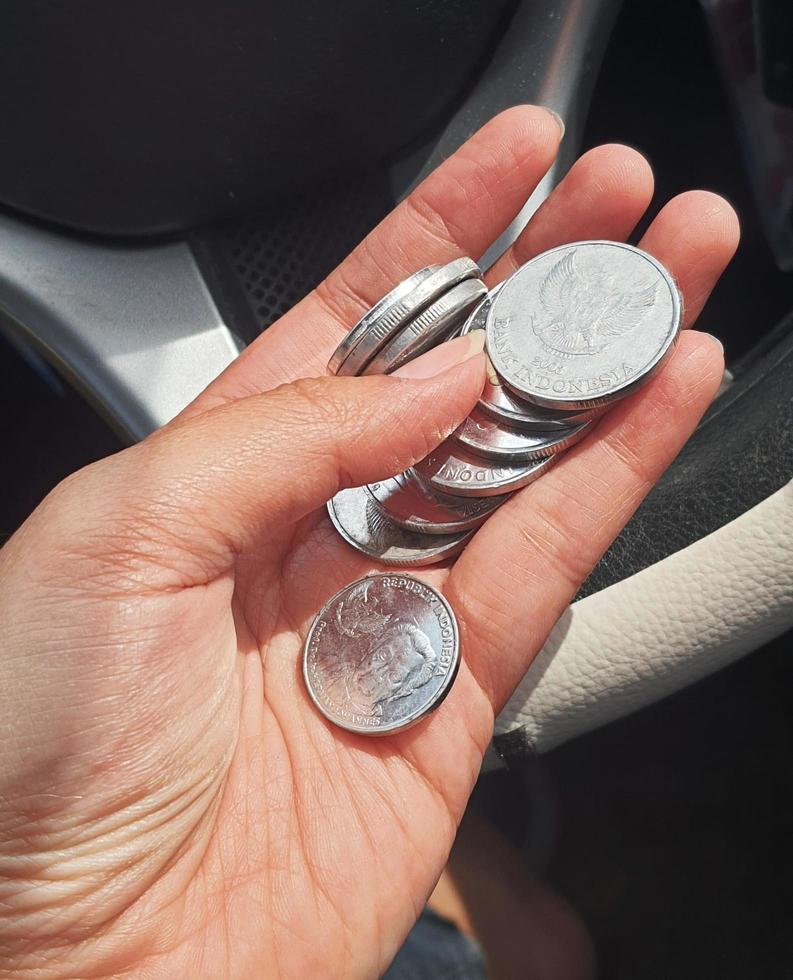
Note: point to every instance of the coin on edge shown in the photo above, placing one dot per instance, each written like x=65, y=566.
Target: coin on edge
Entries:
x=583, y=324
x=453, y=469
x=501, y=403
x=358, y=519
x=391, y=320
x=496, y=440
x=429, y=328
x=399, y=292
x=414, y=505
x=381, y=654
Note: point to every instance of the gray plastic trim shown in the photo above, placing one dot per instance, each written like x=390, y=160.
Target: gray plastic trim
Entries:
x=550, y=55
x=134, y=327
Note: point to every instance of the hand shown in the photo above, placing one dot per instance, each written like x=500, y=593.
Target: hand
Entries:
x=172, y=805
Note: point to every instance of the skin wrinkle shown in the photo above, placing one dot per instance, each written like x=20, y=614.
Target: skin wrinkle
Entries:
x=380, y=926
x=381, y=930
x=96, y=766
x=326, y=883
x=366, y=263
x=105, y=928
x=179, y=899
x=475, y=185
x=604, y=179
x=175, y=906
x=478, y=623
x=120, y=827
x=238, y=880
x=347, y=307
x=132, y=674
x=140, y=528
x=437, y=792
x=298, y=794
x=578, y=211
x=537, y=540
x=429, y=224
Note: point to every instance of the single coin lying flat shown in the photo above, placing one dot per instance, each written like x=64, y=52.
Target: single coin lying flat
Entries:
x=583, y=324
x=381, y=654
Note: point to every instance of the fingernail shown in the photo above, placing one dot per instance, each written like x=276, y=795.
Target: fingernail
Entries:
x=715, y=340
x=443, y=357
x=557, y=117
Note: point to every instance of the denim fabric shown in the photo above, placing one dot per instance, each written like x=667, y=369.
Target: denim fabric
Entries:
x=436, y=950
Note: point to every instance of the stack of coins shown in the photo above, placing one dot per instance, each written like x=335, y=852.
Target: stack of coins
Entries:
x=381, y=654
x=419, y=313
x=570, y=333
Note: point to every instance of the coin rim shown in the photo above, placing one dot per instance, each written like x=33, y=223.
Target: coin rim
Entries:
x=621, y=391
x=437, y=527
x=455, y=546
x=400, y=349
x=543, y=465
x=394, y=295
x=427, y=291
x=439, y=695
x=555, y=442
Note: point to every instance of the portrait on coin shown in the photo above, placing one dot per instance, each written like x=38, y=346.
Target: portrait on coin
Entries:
x=382, y=659
x=391, y=668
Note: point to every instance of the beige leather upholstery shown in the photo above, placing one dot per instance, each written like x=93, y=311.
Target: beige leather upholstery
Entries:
x=661, y=629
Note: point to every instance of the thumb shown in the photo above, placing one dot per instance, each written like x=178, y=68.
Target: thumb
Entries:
x=235, y=477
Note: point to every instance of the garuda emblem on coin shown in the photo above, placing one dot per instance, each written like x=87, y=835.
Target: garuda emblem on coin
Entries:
x=585, y=310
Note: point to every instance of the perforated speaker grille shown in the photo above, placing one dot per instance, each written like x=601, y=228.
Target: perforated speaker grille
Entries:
x=260, y=265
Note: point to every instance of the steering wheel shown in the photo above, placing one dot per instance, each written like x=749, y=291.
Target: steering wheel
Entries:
x=702, y=575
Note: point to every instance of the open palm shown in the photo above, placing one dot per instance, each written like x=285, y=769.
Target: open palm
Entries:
x=171, y=803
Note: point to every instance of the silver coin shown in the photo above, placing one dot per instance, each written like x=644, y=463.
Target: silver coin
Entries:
x=373, y=315
x=429, y=328
x=500, y=403
x=493, y=439
x=412, y=504
x=362, y=524
x=391, y=320
x=381, y=654
x=583, y=324
x=453, y=469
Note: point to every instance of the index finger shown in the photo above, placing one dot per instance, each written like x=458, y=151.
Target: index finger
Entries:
x=458, y=210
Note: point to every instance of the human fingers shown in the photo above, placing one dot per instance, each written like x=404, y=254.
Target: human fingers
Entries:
x=695, y=235
x=526, y=564
x=236, y=478
x=604, y=195
x=458, y=210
